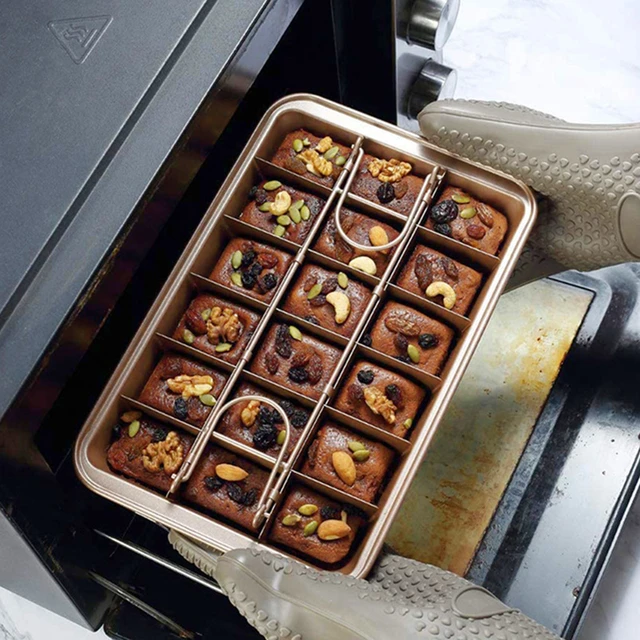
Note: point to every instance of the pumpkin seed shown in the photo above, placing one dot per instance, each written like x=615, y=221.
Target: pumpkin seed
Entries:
x=281, y=436
x=272, y=185
x=279, y=230
x=265, y=207
x=295, y=333
x=468, y=213
x=314, y=291
x=340, y=160
x=331, y=153
x=305, y=213
x=284, y=220
x=306, y=142
x=361, y=455
x=460, y=198
x=223, y=346
x=208, y=400
x=413, y=353
x=236, y=278
x=310, y=528
x=307, y=509
x=297, y=204
x=408, y=423
x=297, y=145
x=354, y=445
x=205, y=314
x=134, y=427
x=343, y=280
x=188, y=337
x=291, y=520
x=236, y=259
x=295, y=216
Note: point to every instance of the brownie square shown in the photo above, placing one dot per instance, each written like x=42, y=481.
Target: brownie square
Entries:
x=371, y=462
x=426, y=266
x=399, y=326
x=292, y=536
x=260, y=425
x=399, y=195
x=163, y=390
x=235, y=500
x=320, y=149
x=459, y=215
x=216, y=326
x=298, y=228
x=380, y=397
x=136, y=456
x=260, y=272
x=358, y=227
x=323, y=309
x=304, y=365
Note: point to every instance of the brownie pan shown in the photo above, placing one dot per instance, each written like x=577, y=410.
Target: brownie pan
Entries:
x=256, y=299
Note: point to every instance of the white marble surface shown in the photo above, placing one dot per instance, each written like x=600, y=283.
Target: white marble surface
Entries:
x=577, y=59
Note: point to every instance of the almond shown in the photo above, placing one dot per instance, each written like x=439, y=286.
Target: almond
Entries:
x=341, y=305
x=333, y=530
x=378, y=236
x=230, y=472
x=344, y=466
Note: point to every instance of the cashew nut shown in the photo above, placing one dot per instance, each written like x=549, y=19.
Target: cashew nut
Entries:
x=281, y=203
x=365, y=264
x=341, y=304
x=439, y=288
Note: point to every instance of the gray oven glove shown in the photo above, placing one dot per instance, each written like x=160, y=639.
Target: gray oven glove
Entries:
x=590, y=175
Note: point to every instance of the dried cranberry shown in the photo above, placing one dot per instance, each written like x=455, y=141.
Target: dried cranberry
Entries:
x=299, y=375
x=267, y=260
x=315, y=369
x=283, y=341
x=158, y=434
x=180, y=409
x=247, y=258
x=271, y=362
x=265, y=436
x=444, y=211
x=213, y=483
x=366, y=376
x=428, y=340
x=250, y=498
x=298, y=418
x=394, y=393
x=366, y=340
x=386, y=193
x=329, y=512
x=261, y=197
x=252, y=192
x=235, y=492
x=268, y=281
x=401, y=343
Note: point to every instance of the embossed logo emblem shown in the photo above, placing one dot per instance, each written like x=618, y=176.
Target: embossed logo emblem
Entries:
x=79, y=36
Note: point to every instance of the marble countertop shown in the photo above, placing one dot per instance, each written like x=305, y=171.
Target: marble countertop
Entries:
x=576, y=59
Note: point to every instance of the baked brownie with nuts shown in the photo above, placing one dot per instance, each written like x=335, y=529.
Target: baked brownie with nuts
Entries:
x=380, y=397
x=459, y=215
x=258, y=424
x=183, y=388
x=412, y=337
x=361, y=229
x=316, y=526
x=317, y=158
x=285, y=211
x=226, y=484
x=389, y=183
x=255, y=268
x=329, y=299
x=348, y=461
x=295, y=360
x=217, y=327
x=147, y=450
x=440, y=279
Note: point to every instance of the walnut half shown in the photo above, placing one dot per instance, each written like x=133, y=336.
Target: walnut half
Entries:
x=190, y=386
x=223, y=325
x=166, y=455
x=316, y=163
x=378, y=402
x=388, y=170
x=249, y=414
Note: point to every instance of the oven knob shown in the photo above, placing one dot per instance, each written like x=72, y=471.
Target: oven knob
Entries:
x=430, y=22
x=435, y=82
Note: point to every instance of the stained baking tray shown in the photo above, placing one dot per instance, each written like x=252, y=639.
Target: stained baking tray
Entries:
x=219, y=224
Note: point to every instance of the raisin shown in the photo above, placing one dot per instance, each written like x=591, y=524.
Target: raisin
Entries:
x=299, y=375
x=393, y=392
x=265, y=436
x=267, y=260
x=250, y=498
x=366, y=376
x=318, y=301
x=213, y=483
x=248, y=258
x=329, y=285
x=235, y=492
x=343, y=251
x=476, y=231
x=283, y=341
x=252, y=192
x=301, y=357
x=366, y=340
x=298, y=418
x=428, y=340
x=401, y=343
x=315, y=369
x=268, y=281
x=248, y=280
x=308, y=283
x=268, y=417
x=386, y=192
x=443, y=228
x=449, y=267
x=403, y=357
x=116, y=432
x=401, y=188
x=312, y=320
x=271, y=362
x=288, y=407
x=329, y=512
x=354, y=512
x=355, y=393
x=261, y=197
x=180, y=409
x=158, y=434
x=347, y=220
x=444, y=211
x=172, y=367
x=423, y=271
x=296, y=165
